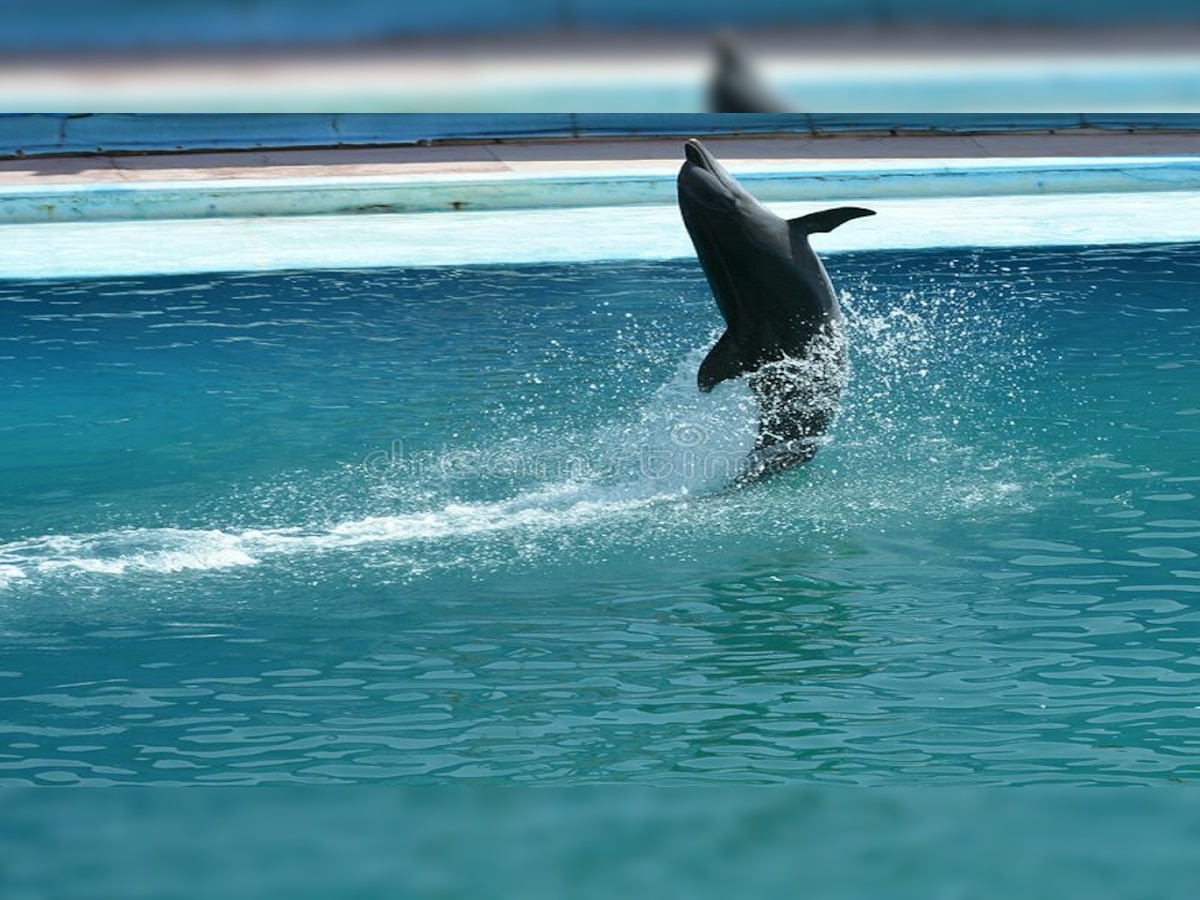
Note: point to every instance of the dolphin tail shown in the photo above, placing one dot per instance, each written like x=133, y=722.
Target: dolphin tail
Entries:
x=826, y=220
x=724, y=361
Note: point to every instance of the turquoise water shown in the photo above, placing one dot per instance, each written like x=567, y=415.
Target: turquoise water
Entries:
x=451, y=525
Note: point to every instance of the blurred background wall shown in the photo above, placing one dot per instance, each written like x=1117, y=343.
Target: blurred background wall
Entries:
x=40, y=26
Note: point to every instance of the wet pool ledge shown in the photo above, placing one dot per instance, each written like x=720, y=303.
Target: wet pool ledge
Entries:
x=117, y=249
x=806, y=180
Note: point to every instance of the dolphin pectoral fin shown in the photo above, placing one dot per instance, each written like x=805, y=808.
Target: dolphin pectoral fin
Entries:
x=827, y=219
x=724, y=361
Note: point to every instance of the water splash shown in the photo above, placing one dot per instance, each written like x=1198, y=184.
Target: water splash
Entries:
x=935, y=419
x=929, y=426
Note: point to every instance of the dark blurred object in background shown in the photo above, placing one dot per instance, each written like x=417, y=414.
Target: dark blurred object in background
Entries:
x=736, y=87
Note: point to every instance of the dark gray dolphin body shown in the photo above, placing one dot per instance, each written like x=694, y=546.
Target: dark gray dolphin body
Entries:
x=783, y=322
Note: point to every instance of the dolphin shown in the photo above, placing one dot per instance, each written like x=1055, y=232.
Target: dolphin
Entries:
x=783, y=323
x=736, y=87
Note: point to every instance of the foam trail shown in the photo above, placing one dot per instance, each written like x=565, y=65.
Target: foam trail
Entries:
x=677, y=436
x=169, y=550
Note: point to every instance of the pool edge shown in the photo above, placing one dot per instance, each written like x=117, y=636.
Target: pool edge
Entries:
x=617, y=185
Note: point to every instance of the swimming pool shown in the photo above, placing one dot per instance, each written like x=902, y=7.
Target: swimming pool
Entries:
x=456, y=524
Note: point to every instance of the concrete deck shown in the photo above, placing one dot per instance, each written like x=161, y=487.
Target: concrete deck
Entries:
x=640, y=156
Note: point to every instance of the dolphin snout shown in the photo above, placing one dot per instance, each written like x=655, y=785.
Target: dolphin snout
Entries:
x=697, y=154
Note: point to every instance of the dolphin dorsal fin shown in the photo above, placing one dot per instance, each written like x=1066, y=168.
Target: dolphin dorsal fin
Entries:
x=826, y=219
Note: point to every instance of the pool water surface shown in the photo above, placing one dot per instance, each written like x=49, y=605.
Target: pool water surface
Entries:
x=440, y=525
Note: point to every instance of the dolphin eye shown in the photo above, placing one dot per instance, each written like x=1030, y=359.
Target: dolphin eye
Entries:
x=755, y=232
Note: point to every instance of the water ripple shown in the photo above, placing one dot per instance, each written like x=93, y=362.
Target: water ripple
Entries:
x=986, y=578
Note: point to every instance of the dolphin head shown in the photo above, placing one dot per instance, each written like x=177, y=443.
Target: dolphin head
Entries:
x=704, y=183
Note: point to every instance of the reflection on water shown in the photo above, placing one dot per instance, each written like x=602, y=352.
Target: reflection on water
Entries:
x=272, y=529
